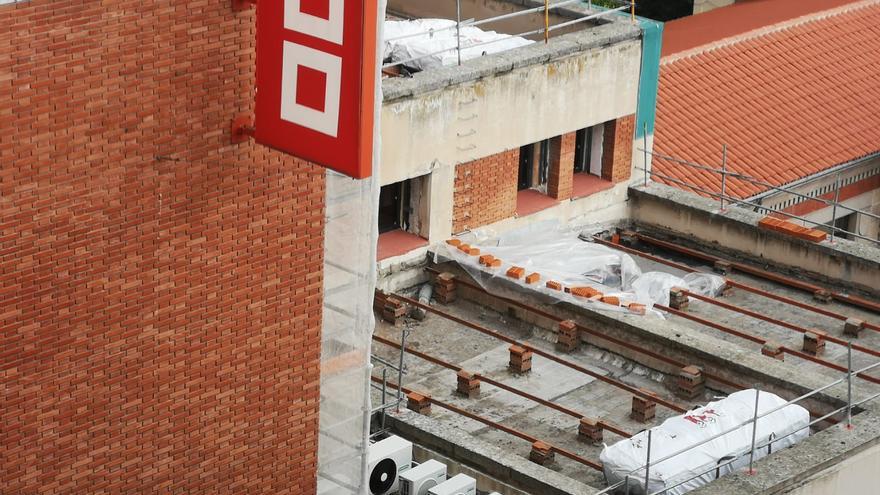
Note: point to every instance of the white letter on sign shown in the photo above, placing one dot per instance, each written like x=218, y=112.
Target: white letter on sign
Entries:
x=326, y=29
x=299, y=107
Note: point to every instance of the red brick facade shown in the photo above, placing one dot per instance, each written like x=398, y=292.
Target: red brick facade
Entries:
x=485, y=191
x=161, y=289
x=561, y=166
x=618, y=144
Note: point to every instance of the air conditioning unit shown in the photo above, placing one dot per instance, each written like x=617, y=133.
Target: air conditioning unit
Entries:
x=418, y=480
x=459, y=484
x=388, y=458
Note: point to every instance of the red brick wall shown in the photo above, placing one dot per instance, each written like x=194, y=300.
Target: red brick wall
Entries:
x=161, y=289
x=485, y=191
x=617, y=149
x=561, y=166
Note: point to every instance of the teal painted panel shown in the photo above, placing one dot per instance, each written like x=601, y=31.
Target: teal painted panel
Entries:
x=649, y=76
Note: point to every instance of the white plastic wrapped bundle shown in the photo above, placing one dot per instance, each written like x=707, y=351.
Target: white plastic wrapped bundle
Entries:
x=438, y=37
x=780, y=429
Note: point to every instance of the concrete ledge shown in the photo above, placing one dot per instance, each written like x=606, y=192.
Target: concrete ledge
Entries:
x=462, y=447
x=819, y=456
x=534, y=54
x=696, y=219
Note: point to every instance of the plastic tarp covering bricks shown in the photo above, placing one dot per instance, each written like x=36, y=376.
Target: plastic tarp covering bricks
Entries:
x=701, y=464
x=558, y=263
x=434, y=41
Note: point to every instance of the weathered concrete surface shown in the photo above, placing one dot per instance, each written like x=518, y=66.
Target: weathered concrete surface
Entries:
x=694, y=219
x=836, y=461
x=452, y=115
x=494, y=462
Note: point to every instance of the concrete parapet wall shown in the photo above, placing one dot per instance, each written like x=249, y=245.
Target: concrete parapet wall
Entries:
x=735, y=233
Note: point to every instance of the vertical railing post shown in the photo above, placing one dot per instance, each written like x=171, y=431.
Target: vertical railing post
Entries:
x=458, y=29
x=723, y=174
x=648, y=464
x=632, y=10
x=834, y=206
x=626, y=481
x=849, y=375
x=645, y=149
x=400, y=368
x=384, y=394
x=754, y=433
x=546, y=21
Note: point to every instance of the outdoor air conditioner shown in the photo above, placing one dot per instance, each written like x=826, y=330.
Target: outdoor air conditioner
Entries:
x=388, y=458
x=418, y=480
x=459, y=484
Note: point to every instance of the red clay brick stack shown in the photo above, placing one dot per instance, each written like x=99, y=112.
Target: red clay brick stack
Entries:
x=792, y=229
x=541, y=453
x=690, y=382
x=814, y=342
x=445, y=291
x=772, y=349
x=419, y=403
x=520, y=359
x=853, y=327
x=567, y=336
x=590, y=430
x=162, y=289
x=643, y=410
x=467, y=384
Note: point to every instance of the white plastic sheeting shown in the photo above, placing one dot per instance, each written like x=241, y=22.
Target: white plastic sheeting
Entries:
x=350, y=235
x=559, y=254
x=780, y=429
x=439, y=35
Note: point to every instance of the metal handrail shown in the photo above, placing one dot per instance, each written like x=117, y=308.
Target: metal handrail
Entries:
x=459, y=24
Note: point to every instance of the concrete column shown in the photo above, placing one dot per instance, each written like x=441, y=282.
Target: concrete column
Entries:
x=440, y=202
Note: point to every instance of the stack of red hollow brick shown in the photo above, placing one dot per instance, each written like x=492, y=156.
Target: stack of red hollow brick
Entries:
x=519, y=273
x=789, y=228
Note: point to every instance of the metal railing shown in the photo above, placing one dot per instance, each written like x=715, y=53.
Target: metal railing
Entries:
x=383, y=388
x=724, y=174
x=626, y=5
x=643, y=472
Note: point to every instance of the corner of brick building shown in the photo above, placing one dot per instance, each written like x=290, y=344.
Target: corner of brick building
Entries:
x=162, y=288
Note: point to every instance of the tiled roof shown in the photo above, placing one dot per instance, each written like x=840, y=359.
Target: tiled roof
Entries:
x=789, y=100
x=698, y=30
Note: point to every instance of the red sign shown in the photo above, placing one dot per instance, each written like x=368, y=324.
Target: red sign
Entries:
x=316, y=71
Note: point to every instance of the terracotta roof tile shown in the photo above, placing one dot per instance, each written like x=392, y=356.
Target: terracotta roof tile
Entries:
x=789, y=101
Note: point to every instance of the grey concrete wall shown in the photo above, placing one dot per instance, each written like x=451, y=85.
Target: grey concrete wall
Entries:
x=845, y=264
